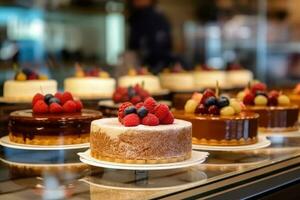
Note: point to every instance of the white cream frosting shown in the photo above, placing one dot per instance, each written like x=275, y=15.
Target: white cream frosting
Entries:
x=90, y=87
x=208, y=79
x=239, y=78
x=25, y=90
x=177, y=81
x=113, y=127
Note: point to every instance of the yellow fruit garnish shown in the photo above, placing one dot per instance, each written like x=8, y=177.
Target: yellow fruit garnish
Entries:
x=103, y=74
x=21, y=77
x=131, y=72
x=190, y=106
x=260, y=100
x=227, y=111
x=43, y=77
x=235, y=105
x=79, y=73
x=283, y=100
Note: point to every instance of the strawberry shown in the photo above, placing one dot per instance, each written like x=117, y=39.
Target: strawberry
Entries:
x=69, y=106
x=131, y=120
x=37, y=96
x=79, y=105
x=161, y=111
x=258, y=87
x=150, y=120
x=122, y=107
x=56, y=108
x=150, y=104
x=169, y=119
x=66, y=96
x=40, y=107
x=207, y=93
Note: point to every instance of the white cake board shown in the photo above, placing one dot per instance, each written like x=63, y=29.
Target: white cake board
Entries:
x=4, y=141
x=281, y=134
x=196, y=158
x=262, y=143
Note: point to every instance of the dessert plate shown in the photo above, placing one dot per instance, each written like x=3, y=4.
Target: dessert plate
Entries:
x=262, y=143
x=4, y=141
x=197, y=158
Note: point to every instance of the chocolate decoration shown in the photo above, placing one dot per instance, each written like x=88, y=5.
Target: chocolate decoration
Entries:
x=276, y=116
x=209, y=127
x=30, y=124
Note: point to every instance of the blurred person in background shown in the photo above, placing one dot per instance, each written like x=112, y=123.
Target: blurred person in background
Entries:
x=150, y=35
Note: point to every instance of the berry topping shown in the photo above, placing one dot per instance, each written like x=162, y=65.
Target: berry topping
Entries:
x=58, y=95
x=122, y=107
x=131, y=120
x=79, y=105
x=150, y=104
x=161, y=111
x=37, y=97
x=190, y=106
x=227, y=111
x=28, y=74
x=129, y=110
x=66, y=96
x=134, y=94
x=201, y=109
x=261, y=100
x=40, y=107
x=210, y=101
x=150, y=120
x=274, y=93
x=169, y=119
x=249, y=99
x=207, y=93
x=54, y=100
x=214, y=110
x=69, y=106
x=55, y=108
x=142, y=111
x=47, y=98
x=139, y=105
x=223, y=101
x=135, y=99
x=258, y=87
x=272, y=100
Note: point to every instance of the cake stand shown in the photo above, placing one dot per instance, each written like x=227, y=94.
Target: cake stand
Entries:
x=262, y=143
x=196, y=158
x=5, y=142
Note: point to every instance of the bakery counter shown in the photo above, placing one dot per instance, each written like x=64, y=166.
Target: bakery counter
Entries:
x=269, y=172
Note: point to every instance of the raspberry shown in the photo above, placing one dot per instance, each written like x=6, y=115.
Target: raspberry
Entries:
x=169, y=119
x=135, y=99
x=249, y=99
x=70, y=106
x=139, y=105
x=144, y=94
x=66, y=97
x=214, y=110
x=150, y=104
x=150, y=120
x=161, y=111
x=56, y=108
x=122, y=107
x=258, y=87
x=201, y=109
x=131, y=120
x=59, y=95
x=274, y=93
x=79, y=105
x=37, y=97
x=207, y=93
x=40, y=107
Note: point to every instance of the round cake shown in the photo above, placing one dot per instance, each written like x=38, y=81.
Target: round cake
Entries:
x=112, y=141
x=183, y=81
x=23, y=91
x=90, y=87
x=239, y=78
x=144, y=133
x=27, y=127
x=219, y=121
x=208, y=78
x=276, y=112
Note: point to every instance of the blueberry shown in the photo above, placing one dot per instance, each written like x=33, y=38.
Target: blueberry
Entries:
x=27, y=71
x=131, y=92
x=223, y=101
x=210, y=101
x=261, y=93
x=129, y=110
x=48, y=97
x=54, y=100
x=142, y=111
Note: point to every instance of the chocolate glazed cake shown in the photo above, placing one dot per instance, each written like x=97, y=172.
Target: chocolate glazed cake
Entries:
x=276, y=118
x=240, y=129
x=51, y=129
